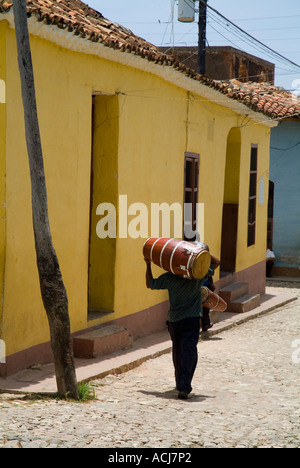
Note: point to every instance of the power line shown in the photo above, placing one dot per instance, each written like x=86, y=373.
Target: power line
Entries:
x=267, y=18
x=240, y=19
x=251, y=42
x=220, y=21
x=239, y=37
x=252, y=38
x=285, y=149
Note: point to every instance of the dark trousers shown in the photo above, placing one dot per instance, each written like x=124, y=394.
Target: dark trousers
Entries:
x=185, y=337
x=205, y=318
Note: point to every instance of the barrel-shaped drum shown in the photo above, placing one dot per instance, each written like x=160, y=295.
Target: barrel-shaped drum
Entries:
x=179, y=257
x=212, y=301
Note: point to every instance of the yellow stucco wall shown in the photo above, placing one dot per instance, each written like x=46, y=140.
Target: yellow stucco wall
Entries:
x=3, y=28
x=139, y=139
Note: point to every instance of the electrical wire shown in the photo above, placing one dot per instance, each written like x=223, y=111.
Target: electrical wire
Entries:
x=246, y=41
x=220, y=21
x=249, y=36
x=285, y=149
x=167, y=26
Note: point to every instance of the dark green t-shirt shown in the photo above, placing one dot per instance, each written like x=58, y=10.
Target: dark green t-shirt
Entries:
x=184, y=295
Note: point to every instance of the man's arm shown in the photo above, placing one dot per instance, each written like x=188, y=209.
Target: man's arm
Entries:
x=215, y=262
x=149, y=275
x=161, y=282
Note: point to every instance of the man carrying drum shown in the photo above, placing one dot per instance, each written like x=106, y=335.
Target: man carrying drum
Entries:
x=183, y=322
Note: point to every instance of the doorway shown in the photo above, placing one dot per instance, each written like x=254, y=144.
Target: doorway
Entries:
x=231, y=203
x=104, y=190
x=270, y=215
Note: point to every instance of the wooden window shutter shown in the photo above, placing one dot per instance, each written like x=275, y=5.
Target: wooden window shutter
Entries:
x=252, y=196
x=191, y=192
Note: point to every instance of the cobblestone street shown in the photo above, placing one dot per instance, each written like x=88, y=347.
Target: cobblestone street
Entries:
x=245, y=394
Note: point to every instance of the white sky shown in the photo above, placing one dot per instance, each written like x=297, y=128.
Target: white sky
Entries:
x=276, y=23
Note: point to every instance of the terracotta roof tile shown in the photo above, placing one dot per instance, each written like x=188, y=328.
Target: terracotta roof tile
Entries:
x=273, y=101
x=77, y=17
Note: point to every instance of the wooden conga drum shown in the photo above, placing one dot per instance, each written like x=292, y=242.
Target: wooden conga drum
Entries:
x=179, y=257
x=212, y=301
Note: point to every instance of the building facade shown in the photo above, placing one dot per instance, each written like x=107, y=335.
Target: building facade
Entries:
x=120, y=123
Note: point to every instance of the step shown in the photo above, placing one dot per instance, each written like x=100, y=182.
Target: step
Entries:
x=102, y=341
x=233, y=291
x=245, y=303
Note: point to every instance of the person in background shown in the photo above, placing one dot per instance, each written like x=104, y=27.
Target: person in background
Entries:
x=205, y=321
x=209, y=283
x=270, y=260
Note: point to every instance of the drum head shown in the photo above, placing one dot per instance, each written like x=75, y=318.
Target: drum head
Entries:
x=201, y=264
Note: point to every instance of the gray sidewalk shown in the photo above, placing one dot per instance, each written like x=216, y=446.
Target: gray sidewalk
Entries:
x=41, y=378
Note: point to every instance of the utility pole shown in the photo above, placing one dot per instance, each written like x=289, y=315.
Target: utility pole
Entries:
x=202, y=36
x=186, y=14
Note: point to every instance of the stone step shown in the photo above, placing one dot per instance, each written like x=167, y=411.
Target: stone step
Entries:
x=233, y=291
x=102, y=341
x=245, y=303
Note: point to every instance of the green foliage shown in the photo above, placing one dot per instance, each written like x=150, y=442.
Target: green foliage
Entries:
x=86, y=392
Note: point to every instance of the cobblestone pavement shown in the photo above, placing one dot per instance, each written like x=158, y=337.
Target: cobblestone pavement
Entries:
x=246, y=394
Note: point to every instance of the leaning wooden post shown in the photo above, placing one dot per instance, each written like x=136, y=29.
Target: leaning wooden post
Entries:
x=53, y=291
